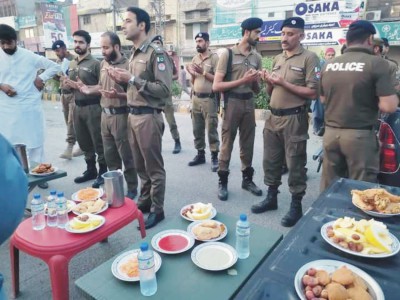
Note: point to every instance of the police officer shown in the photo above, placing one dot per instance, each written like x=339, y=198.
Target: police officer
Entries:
x=67, y=98
x=385, y=51
x=204, y=104
x=169, y=106
x=239, y=107
x=377, y=50
x=354, y=82
x=114, y=118
x=149, y=80
x=293, y=82
x=87, y=111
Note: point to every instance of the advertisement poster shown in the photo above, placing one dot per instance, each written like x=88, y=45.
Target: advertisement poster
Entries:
x=271, y=31
x=389, y=30
x=53, y=24
x=325, y=37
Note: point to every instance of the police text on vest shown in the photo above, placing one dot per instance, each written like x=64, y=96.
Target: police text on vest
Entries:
x=350, y=66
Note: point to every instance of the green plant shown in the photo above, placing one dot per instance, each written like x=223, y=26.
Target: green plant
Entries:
x=262, y=99
x=176, y=89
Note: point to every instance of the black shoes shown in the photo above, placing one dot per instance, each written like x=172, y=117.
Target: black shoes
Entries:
x=248, y=184
x=145, y=208
x=153, y=219
x=177, y=147
x=214, y=161
x=86, y=176
x=43, y=185
x=199, y=159
x=223, y=185
x=100, y=180
x=132, y=194
x=269, y=203
x=294, y=214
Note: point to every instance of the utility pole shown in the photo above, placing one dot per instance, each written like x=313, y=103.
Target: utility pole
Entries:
x=158, y=8
x=113, y=14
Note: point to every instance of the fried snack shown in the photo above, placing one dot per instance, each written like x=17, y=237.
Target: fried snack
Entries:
x=208, y=230
x=359, y=282
x=90, y=206
x=88, y=194
x=343, y=276
x=378, y=200
x=358, y=293
x=323, y=277
x=130, y=268
x=337, y=291
x=43, y=169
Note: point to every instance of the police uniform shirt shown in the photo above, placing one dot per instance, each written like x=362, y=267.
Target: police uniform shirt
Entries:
x=302, y=69
x=351, y=85
x=88, y=70
x=209, y=64
x=107, y=83
x=240, y=65
x=153, y=76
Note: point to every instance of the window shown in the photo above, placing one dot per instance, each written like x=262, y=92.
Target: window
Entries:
x=190, y=15
x=203, y=27
x=189, y=31
x=288, y=14
x=86, y=19
x=204, y=13
x=271, y=14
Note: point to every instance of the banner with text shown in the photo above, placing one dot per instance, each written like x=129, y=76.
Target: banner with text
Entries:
x=325, y=37
x=271, y=31
x=53, y=24
x=389, y=30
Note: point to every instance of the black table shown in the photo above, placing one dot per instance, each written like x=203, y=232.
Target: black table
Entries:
x=34, y=181
x=274, y=279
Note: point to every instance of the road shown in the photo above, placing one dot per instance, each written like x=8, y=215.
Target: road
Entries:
x=184, y=185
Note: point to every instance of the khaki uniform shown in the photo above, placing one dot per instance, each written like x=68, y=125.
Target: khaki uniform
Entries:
x=169, y=108
x=114, y=122
x=351, y=85
x=239, y=112
x=204, y=105
x=68, y=103
x=146, y=99
x=87, y=111
x=286, y=128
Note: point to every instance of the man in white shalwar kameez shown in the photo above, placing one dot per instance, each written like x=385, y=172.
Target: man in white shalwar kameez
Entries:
x=21, y=113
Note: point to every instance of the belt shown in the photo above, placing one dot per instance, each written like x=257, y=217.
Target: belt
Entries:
x=288, y=111
x=241, y=96
x=359, y=128
x=143, y=110
x=204, y=95
x=66, y=92
x=87, y=102
x=115, y=110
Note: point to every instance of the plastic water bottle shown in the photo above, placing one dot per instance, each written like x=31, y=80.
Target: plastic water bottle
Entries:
x=62, y=212
x=37, y=209
x=147, y=273
x=243, y=237
x=52, y=209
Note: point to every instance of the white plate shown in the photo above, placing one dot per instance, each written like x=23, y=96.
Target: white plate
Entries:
x=43, y=174
x=94, y=213
x=376, y=214
x=124, y=257
x=70, y=206
x=69, y=229
x=75, y=196
x=214, y=256
x=197, y=223
x=212, y=216
x=172, y=241
x=330, y=266
x=395, y=245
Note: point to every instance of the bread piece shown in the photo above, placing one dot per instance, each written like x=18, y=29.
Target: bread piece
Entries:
x=358, y=293
x=206, y=233
x=337, y=291
x=358, y=282
x=210, y=224
x=323, y=277
x=343, y=276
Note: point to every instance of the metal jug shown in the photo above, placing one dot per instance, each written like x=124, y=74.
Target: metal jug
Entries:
x=114, y=188
x=23, y=156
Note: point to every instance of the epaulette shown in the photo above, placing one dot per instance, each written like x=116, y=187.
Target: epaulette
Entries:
x=157, y=48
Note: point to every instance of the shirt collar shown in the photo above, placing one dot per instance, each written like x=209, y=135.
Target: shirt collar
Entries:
x=118, y=62
x=87, y=57
x=297, y=51
x=358, y=49
x=208, y=55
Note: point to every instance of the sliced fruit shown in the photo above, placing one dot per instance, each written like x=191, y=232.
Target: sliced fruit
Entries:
x=378, y=236
x=201, y=216
x=349, y=235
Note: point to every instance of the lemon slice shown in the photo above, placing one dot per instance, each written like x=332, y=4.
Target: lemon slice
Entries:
x=379, y=237
x=349, y=234
x=201, y=216
x=77, y=224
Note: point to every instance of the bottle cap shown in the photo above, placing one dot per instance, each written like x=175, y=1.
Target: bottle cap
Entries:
x=60, y=194
x=243, y=217
x=53, y=192
x=144, y=246
x=36, y=196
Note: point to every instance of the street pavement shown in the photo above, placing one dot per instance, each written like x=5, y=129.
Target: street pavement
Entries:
x=184, y=185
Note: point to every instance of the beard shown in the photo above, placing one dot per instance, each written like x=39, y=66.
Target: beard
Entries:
x=80, y=51
x=10, y=51
x=252, y=42
x=111, y=57
x=200, y=50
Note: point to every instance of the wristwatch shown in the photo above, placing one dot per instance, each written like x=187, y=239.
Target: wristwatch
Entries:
x=132, y=80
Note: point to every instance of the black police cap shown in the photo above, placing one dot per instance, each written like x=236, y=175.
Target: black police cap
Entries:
x=204, y=35
x=362, y=26
x=158, y=38
x=252, y=23
x=295, y=22
x=58, y=44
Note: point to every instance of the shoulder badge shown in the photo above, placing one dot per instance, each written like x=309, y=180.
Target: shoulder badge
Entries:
x=317, y=72
x=161, y=66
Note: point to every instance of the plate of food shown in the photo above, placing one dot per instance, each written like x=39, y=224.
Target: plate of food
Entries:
x=365, y=238
x=70, y=206
x=43, y=170
x=378, y=202
x=198, y=211
x=87, y=194
x=93, y=207
x=126, y=266
x=172, y=241
x=208, y=230
x=85, y=223
x=332, y=279
x=214, y=256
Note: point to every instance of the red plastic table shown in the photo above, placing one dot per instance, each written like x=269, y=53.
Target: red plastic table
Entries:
x=56, y=246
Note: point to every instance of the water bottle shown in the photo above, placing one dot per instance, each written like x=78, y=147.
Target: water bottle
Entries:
x=62, y=212
x=52, y=209
x=147, y=273
x=37, y=209
x=243, y=237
